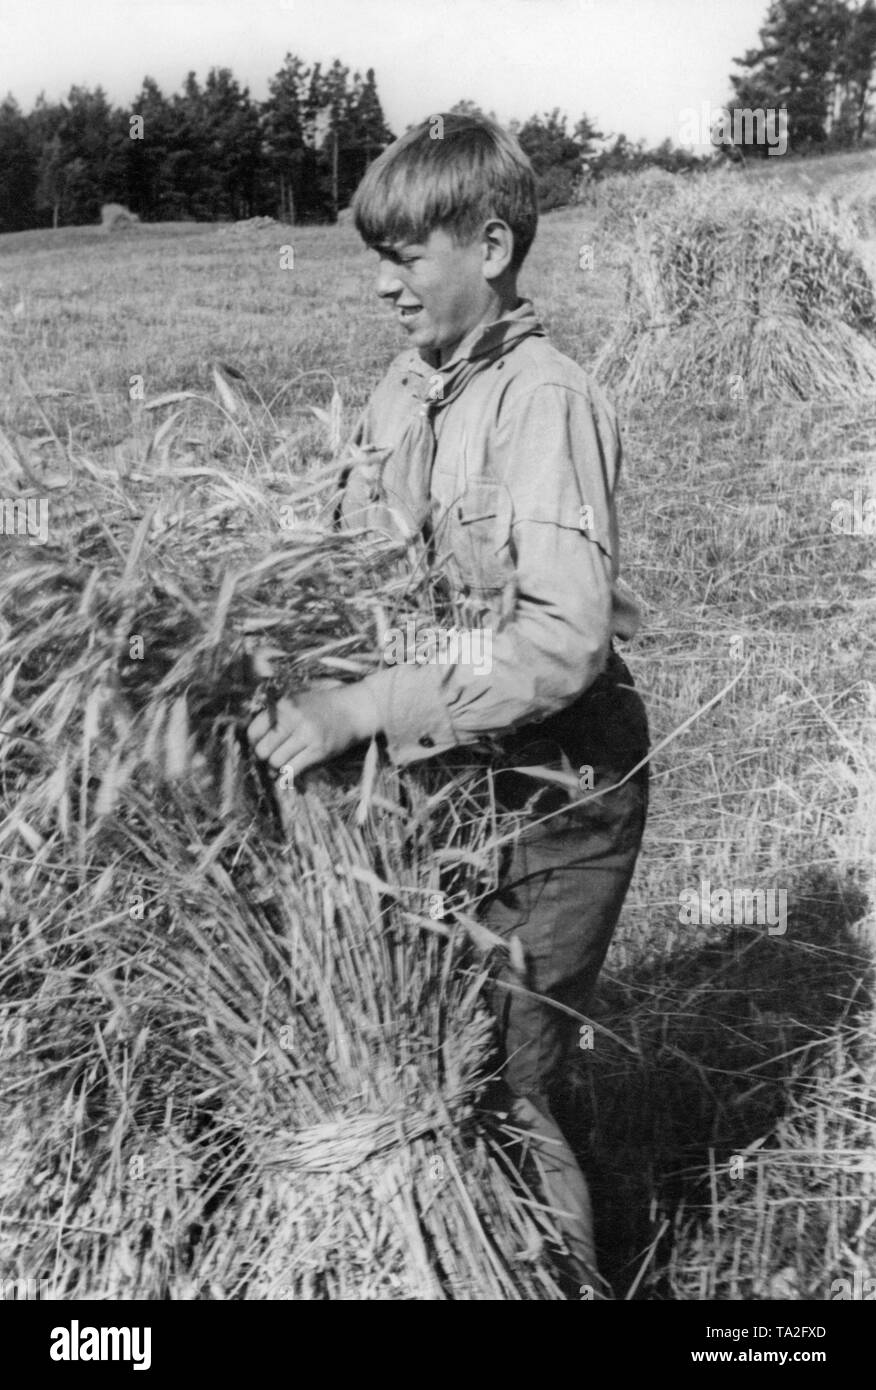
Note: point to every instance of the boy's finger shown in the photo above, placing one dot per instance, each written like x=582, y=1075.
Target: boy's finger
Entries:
x=281, y=750
x=297, y=763
x=258, y=727
x=266, y=722
x=270, y=740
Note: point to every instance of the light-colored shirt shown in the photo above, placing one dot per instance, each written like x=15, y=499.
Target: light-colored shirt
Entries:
x=522, y=503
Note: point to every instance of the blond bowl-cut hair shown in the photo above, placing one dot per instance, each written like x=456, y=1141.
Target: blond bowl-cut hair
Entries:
x=450, y=171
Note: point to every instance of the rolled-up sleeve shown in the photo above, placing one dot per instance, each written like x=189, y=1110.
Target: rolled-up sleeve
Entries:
x=556, y=452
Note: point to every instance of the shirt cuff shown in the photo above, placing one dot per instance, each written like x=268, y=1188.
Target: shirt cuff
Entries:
x=413, y=714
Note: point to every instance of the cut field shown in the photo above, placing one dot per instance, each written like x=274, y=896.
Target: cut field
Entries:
x=725, y=1113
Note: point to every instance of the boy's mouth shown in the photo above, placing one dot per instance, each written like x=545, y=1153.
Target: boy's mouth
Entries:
x=407, y=311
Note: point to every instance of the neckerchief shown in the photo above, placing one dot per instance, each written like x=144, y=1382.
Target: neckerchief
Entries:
x=416, y=449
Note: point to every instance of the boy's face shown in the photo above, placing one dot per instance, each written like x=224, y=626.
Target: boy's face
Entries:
x=439, y=290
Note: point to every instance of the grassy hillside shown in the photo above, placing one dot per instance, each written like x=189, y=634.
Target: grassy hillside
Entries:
x=726, y=1115
x=825, y=173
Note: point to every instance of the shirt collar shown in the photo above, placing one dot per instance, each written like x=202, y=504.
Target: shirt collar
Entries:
x=482, y=339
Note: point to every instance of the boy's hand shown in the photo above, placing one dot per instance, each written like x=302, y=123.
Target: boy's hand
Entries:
x=313, y=727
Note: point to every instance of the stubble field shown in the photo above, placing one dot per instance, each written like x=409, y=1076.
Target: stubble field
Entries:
x=726, y=1108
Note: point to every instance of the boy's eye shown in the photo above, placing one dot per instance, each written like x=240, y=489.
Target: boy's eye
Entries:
x=387, y=253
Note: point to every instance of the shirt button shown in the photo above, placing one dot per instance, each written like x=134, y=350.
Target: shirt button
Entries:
x=427, y=741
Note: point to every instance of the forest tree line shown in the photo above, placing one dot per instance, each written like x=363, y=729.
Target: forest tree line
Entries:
x=211, y=152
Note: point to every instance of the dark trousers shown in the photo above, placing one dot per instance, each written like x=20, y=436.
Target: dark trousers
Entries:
x=560, y=894
x=564, y=881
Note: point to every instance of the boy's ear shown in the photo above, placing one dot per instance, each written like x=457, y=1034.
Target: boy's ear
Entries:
x=498, y=243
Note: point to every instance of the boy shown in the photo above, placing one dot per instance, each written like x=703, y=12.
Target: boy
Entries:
x=502, y=453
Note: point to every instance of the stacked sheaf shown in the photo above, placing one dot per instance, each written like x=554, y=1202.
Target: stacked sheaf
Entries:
x=243, y=1043
x=735, y=292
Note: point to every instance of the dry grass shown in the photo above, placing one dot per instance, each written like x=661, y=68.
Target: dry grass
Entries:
x=242, y=1055
x=729, y=296
x=172, y=1138
x=622, y=202
x=745, y=1045
x=116, y=217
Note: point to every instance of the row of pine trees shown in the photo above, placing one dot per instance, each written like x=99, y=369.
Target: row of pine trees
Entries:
x=211, y=152
x=208, y=152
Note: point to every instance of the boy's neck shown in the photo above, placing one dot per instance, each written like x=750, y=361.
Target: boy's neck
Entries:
x=503, y=302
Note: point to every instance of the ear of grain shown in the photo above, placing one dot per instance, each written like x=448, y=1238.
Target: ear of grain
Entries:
x=725, y=291
x=281, y=1024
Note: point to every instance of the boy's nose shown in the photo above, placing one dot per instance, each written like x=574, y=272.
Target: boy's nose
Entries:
x=388, y=282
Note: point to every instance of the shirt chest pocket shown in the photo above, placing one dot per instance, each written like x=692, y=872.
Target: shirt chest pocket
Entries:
x=478, y=537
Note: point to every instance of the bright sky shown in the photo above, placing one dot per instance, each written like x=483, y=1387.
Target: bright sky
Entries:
x=631, y=65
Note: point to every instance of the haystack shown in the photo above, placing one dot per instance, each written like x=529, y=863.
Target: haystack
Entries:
x=243, y=1040
x=623, y=201
x=251, y=225
x=859, y=196
x=116, y=217
x=733, y=293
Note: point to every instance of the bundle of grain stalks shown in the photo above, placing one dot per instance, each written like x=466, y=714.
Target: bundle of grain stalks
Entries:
x=731, y=296
x=622, y=201
x=243, y=1045
x=857, y=195
x=116, y=217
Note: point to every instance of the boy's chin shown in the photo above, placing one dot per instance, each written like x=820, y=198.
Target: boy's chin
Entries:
x=422, y=338
x=417, y=331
